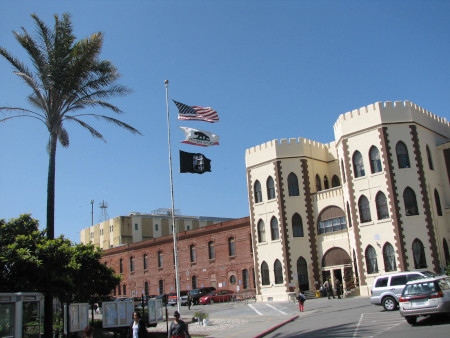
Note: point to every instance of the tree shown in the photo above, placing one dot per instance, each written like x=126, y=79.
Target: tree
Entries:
x=68, y=77
x=29, y=261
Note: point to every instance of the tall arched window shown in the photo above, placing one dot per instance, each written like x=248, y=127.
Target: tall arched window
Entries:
x=261, y=231
x=265, y=278
x=389, y=258
x=124, y=290
x=274, y=231
x=437, y=200
x=231, y=246
x=160, y=259
x=318, y=183
x=335, y=182
x=364, y=209
x=270, y=188
x=120, y=265
x=430, y=159
x=211, y=251
x=409, y=199
x=343, y=171
x=446, y=252
x=192, y=253
x=371, y=260
x=293, y=185
x=375, y=161
x=382, y=207
x=278, y=272
x=245, y=279
x=348, y=216
x=358, y=164
x=194, y=281
x=258, y=192
x=131, y=264
x=402, y=155
x=326, y=185
x=146, y=289
x=297, y=226
x=420, y=261
x=161, y=286
x=145, y=261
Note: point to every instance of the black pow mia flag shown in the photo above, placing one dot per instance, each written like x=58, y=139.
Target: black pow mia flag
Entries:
x=195, y=163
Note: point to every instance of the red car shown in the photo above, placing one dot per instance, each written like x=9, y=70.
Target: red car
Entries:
x=217, y=296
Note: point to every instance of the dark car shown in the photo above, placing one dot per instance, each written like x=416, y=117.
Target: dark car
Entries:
x=197, y=293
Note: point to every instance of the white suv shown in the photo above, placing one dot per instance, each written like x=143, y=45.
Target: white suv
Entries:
x=386, y=289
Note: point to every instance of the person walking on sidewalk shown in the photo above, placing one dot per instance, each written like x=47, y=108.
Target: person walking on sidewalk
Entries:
x=301, y=301
x=338, y=286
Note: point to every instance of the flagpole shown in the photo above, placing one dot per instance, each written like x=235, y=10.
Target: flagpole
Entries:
x=174, y=232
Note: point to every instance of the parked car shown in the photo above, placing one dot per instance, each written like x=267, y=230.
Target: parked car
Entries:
x=197, y=293
x=184, y=299
x=386, y=289
x=217, y=296
x=425, y=297
x=172, y=298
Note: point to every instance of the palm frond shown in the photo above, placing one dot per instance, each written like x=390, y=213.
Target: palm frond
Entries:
x=91, y=129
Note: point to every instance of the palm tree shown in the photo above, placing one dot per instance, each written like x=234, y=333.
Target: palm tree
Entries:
x=68, y=77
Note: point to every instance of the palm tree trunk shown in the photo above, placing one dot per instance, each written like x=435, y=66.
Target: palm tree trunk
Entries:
x=48, y=300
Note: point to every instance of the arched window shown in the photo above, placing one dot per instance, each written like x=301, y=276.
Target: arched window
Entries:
x=326, y=185
x=297, y=226
x=278, y=272
x=335, y=181
x=258, y=192
x=124, y=290
x=446, y=252
x=194, y=281
x=348, y=216
x=265, y=279
x=120, y=265
x=270, y=188
x=274, y=231
x=343, y=171
x=231, y=246
x=261, y=231
x=146, y=288
x=430, y=159
x=245, y=279
x=375, y=161
x=293, y=185
x=161, y=286
x=131, y=264
x=358, y=164
x=331, y=219
x=318, y=183
x=145, y=261
x=192, y=253
x=371, y=260
x=211, y=251
x=402, y=155
x=160, y=259
x=364, y=209
x=437, y=200
x=389, y=258
x=420, y=261
x=382, y=207
x=409, y=199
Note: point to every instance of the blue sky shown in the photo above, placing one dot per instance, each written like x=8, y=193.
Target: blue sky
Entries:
x=272, y=70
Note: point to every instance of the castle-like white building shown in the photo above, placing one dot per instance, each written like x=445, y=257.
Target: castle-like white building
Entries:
x=373, y=201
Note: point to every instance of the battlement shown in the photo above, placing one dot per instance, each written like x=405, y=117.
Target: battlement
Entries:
x=284, y=148
x=388, y=112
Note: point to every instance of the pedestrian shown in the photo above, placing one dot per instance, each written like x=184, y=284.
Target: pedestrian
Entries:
x=189, y=301
x=301, y=301
x=88, y=332
x=137, y=327
x=338, y=288
x=178, y=328
x=329, y=288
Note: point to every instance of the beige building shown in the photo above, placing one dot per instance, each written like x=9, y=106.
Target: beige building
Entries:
x=373, y=201
x=138, y=227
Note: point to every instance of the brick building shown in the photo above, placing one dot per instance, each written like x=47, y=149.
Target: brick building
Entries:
x=218, y=255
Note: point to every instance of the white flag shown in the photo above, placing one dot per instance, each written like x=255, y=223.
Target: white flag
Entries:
x=199, y=137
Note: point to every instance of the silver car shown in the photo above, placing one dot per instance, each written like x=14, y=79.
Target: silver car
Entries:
x=387, y=289
x=425, y=297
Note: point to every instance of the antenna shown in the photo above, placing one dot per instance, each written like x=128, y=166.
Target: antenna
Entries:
x=104, y=211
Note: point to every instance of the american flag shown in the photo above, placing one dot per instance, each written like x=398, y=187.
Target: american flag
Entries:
x=186, y=112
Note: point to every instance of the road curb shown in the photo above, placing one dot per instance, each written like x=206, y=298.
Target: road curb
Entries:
x=276, y=327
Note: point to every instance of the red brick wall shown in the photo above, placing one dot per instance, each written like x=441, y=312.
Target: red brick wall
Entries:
x=215, y=272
